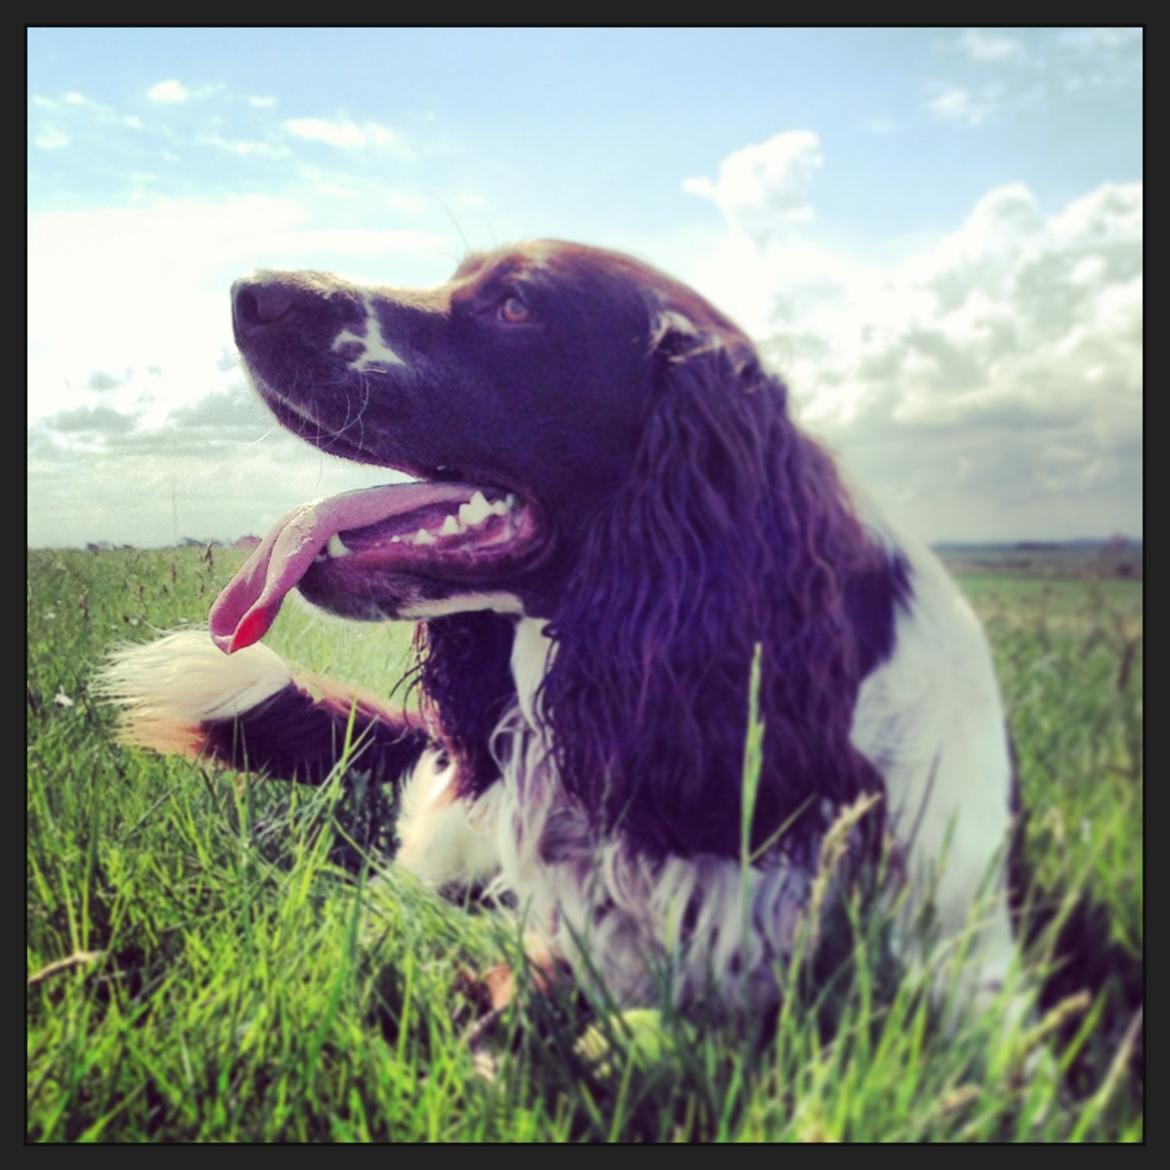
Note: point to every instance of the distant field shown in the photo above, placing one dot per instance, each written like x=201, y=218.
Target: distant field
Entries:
x=1117, y=558
x=206, y=962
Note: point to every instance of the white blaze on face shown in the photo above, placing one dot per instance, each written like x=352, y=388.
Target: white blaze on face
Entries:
x=375, y=350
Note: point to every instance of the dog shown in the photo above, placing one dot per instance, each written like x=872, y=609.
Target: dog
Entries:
x=613, y=517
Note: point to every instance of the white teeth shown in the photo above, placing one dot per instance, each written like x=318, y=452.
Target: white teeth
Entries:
x=336, y=548
x=476, y=510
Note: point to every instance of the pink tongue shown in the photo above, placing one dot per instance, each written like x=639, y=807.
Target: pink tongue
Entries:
x=245, y=610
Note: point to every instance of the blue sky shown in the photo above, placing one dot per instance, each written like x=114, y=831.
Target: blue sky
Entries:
x=934, y=234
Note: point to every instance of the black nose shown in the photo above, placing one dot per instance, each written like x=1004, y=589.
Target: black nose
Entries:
x=256, y=304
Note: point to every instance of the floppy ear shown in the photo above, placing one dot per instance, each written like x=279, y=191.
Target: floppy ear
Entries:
x=731, y=531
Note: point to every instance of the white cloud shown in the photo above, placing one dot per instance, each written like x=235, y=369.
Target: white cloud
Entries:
x=170, y=91
x=262, y=103
x=69, y=101
x=405, y=203
x=243, y=148
x=347, y=135
x=1091, y=40
x=987, y=384
x=73, y=109
x=51, y=138
x=145, y=290
x=371, y=244
x=764, y=187
x=987, y=47
x=220, y=486
x=141, y=286
x=334, y=191
x=1099, y=58
x=959, y=105
x=1016, y=354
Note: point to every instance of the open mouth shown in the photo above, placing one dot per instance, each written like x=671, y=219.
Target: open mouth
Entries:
x=349, y=545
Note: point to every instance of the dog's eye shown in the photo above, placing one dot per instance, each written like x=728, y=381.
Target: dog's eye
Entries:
x=513, y=311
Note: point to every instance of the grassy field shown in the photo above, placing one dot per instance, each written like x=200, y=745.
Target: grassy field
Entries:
x=208, y=959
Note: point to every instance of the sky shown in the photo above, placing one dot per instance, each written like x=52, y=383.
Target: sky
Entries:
x=935, y=236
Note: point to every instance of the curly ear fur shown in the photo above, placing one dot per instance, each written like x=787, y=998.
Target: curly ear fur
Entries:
x=733, y=530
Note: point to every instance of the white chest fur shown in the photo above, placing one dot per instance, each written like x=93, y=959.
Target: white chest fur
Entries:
x=531, y=653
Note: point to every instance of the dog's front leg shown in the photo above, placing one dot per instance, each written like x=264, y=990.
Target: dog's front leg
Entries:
x=252, y=711
x=446, y=839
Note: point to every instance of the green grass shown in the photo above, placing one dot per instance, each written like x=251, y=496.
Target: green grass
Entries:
x=201, y=968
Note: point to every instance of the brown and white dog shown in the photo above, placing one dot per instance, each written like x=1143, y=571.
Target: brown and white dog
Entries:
x=613, y=510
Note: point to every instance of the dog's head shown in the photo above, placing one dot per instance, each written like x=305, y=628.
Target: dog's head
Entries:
x=596, y=445
x=516, y=394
